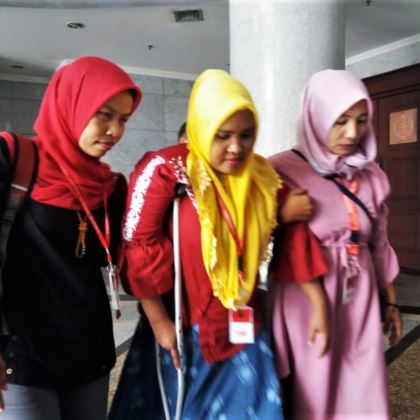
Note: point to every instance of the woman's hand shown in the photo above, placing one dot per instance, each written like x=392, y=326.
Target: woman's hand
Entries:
x=392, y=316
x=319, y=325
x=162, y=325
x=165, y=335
x=297, y=207
x=3, y=385
x=392, y=325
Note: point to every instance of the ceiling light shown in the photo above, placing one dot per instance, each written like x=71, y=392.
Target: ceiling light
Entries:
x=75, y=25
x=182, y=16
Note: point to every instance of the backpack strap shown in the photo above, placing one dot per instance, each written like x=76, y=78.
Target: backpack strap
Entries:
x=24, y=159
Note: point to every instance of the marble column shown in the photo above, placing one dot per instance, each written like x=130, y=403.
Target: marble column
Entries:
x=275, y=46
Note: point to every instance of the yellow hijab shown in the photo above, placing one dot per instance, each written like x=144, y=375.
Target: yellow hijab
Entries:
x=249, y=196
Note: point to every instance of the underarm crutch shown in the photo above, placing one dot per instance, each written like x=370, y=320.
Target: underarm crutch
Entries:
x=179, y=193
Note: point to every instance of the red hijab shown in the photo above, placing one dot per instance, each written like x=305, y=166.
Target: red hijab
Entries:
x=74, y=94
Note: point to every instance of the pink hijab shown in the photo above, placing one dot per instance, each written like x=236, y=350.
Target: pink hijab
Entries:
x=327, y=95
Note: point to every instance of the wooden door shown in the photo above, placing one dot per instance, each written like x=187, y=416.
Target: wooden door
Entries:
x=397, y=114
x=399, y=157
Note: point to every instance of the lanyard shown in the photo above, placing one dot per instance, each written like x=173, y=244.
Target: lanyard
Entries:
x=353, y=246
x=104, y=239
x=239, y=244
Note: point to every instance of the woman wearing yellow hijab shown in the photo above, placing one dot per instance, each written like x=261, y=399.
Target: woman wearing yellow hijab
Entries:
x=226, y=221
x=221, y=167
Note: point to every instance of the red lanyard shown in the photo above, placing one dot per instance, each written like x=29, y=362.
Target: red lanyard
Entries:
x=239, y=243
x=353, y=246
x=104, y=239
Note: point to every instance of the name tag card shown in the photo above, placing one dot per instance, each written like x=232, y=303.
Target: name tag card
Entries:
x=349, y=287
x=241, y=325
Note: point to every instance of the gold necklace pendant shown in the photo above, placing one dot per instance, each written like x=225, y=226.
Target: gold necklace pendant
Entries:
x=80, y=250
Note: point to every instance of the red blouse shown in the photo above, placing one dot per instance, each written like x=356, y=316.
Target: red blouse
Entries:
x=148, y=251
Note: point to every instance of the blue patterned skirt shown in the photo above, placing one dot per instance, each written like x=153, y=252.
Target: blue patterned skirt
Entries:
x=243, y=387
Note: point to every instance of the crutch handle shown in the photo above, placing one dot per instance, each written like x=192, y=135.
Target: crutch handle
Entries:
x=180, y=190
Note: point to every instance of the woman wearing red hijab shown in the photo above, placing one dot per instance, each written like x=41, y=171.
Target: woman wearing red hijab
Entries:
x=58, y=347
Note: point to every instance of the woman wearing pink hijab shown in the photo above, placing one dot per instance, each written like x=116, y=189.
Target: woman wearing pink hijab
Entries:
x=334, y=160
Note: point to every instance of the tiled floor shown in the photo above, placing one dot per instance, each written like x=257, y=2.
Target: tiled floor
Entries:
x=408, y=289
x=124, y=327
x=404, y=368
x=123, y=331
x=404, y=376
x=404, y=371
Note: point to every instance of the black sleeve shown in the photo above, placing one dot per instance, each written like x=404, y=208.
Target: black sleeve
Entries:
x=5, y=174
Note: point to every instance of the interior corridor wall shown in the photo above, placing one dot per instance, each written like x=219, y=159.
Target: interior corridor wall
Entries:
x=19, y=104
x=384, y=59
x=154, y=125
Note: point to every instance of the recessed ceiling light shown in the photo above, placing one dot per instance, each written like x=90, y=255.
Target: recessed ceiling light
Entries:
x=75, y=25
x=17, y=66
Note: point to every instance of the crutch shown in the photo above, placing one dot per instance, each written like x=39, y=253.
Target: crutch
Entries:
x=179, y=193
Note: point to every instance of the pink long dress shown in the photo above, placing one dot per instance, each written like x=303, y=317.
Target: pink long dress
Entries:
x=350, y=381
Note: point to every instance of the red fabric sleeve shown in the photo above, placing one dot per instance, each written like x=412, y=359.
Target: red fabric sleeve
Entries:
x=147, y=257
x=297, y=255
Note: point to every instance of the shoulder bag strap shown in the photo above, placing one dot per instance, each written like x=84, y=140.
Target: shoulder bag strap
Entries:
x=342, y=188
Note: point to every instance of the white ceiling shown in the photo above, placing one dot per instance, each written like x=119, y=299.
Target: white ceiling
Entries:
x=38, y=39
x=381, y=23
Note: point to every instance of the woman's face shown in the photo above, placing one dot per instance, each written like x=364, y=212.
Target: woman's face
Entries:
x=106, y=127
x=233, y=143
x=348, y=130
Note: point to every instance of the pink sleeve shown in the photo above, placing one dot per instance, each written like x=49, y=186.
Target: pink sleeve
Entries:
x=147, y=259
x=384, y=258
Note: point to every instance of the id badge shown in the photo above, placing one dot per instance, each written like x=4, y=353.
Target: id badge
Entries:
x=349, y=289
x=114, y=282
x=241, y=325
